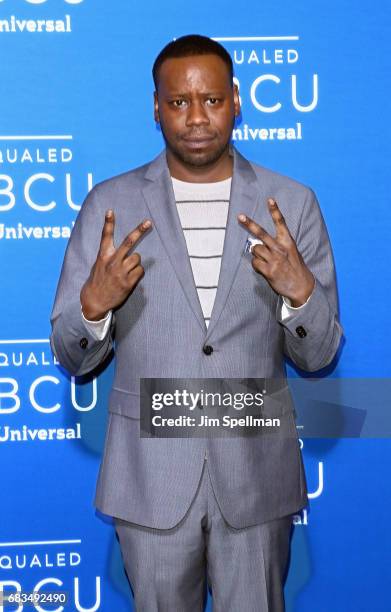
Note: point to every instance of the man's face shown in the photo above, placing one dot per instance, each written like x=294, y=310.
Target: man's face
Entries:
x=196, y=108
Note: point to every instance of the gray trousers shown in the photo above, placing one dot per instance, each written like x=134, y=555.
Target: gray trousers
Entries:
x=170, y=570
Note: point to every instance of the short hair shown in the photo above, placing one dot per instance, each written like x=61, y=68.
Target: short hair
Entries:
x=191, y=45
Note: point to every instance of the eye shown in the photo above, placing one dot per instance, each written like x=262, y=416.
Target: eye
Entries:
x=213, y=101
x=179, y=103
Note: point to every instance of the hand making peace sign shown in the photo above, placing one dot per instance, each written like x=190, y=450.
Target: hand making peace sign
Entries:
x=115, y=272
x=278, y=258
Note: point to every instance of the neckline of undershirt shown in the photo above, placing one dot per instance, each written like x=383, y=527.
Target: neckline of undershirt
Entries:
x=199, y=188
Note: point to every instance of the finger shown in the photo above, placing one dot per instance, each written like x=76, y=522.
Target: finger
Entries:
x=107, y=239
x=135, y=276
x=257, y=230
x=132, y=262
x=132, y=238
x=262, y=252
x=260, y=266
x=278, y=217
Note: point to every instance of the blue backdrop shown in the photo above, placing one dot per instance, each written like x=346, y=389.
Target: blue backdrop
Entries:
x=76, y=108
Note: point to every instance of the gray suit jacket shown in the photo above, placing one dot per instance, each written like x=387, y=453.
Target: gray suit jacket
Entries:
x=160, y=332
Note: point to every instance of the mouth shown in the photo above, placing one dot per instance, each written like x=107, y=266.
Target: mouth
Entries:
x=199, y=142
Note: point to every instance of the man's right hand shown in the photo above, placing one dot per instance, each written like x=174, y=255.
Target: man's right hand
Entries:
x=115, y=273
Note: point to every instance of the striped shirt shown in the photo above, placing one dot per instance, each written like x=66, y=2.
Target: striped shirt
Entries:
x=203, y=212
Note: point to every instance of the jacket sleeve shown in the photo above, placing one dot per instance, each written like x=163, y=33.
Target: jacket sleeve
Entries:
x=313, y=332
x=72, y=342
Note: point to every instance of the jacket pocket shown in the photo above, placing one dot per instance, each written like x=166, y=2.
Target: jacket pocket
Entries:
x=278, y=403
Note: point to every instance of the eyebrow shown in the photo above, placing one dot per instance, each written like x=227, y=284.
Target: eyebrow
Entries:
x=203, y=93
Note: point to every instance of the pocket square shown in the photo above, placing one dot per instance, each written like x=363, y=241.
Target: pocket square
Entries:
x=250, y=242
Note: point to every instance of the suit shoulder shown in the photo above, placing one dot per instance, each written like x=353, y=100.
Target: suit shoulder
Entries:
x=278, y=182
x=121, y=183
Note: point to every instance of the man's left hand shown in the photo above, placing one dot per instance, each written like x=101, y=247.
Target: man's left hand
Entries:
x=278, y=258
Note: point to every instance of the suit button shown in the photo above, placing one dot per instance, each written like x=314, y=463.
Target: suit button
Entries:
x=301, y=331
x=83, y=343
x=208, y=349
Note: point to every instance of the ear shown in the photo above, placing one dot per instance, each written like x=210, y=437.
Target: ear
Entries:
x=236, y=100
x=156, y=107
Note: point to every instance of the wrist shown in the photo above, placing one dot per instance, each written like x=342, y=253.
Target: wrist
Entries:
x=94, y=315
x=297, y=303
x=302, y=297
x=91, y=310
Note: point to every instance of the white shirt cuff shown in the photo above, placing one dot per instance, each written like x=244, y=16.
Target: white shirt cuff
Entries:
x=287, y=310
x=98, y=329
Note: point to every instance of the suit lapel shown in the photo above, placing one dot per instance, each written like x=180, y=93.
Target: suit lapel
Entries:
x=160, y=199
x=158, y=193
x=244, y=198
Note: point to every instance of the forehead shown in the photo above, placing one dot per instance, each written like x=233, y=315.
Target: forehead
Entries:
x=193, y=73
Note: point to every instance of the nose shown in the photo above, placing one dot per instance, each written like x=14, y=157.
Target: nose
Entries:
x=196, y=114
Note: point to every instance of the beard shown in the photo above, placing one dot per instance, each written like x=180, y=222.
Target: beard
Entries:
x=196, y=158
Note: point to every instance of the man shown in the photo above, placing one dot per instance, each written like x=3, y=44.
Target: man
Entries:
x=191, y=304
